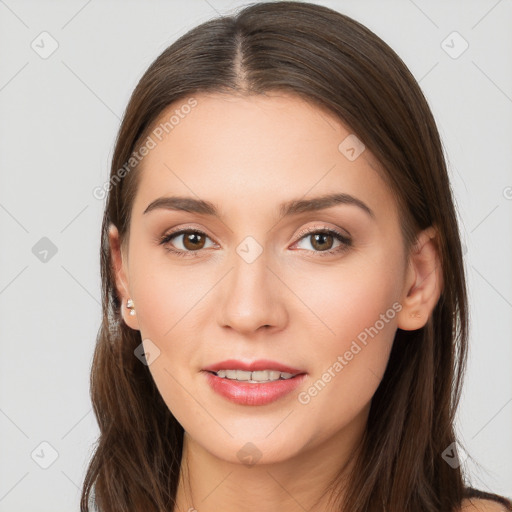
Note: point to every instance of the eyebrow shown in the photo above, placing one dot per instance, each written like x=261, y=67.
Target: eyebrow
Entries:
x=289, y=208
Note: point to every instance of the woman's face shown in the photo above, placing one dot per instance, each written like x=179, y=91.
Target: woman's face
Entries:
x=253, y=284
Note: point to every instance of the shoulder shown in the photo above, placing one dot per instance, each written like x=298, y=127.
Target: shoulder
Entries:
x=482, y=505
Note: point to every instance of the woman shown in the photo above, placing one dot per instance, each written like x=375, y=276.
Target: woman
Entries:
x=284, y=303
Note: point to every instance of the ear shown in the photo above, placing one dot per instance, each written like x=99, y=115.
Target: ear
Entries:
x=423, y=282
x=120, y=272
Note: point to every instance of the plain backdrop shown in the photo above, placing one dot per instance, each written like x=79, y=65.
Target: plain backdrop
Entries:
x=66, y=72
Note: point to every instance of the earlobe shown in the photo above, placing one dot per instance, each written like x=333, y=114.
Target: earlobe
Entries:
x=423, y=283
x=122, y=284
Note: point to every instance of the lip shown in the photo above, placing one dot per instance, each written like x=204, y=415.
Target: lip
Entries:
x=260, y=364
x=244, y=393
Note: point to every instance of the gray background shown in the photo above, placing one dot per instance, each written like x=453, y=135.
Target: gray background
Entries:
x=59, y=118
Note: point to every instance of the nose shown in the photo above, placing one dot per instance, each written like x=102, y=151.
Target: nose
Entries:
x=251, y=297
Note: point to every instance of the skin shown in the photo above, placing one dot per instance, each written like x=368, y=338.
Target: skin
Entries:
x=481, y=505
x=247, y=155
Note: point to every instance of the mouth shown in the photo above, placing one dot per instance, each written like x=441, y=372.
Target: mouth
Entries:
x=261, y=365
x=254, y=377
x=257, y=383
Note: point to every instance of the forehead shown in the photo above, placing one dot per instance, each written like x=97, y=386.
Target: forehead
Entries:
x=242, y=149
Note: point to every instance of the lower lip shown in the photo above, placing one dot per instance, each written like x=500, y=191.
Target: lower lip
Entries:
x=245, y=393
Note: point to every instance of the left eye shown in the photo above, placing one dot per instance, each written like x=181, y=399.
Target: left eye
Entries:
x=322, y=241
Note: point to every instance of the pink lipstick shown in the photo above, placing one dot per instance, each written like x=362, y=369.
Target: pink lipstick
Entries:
x=256, y=383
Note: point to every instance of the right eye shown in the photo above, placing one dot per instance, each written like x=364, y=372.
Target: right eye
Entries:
x=192, y=241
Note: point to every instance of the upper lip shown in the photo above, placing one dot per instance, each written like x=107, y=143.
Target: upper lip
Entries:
x=260, y=364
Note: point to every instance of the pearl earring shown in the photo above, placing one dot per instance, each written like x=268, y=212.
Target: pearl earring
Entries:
x=130, y=306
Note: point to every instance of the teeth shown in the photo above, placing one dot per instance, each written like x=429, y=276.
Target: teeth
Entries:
x=256, y=376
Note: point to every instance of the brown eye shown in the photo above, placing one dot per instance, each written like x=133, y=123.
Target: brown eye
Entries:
x=193, y=240
x=185, y=242
x=322, y=241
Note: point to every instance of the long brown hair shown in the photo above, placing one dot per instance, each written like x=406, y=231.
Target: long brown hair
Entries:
x=339, y=64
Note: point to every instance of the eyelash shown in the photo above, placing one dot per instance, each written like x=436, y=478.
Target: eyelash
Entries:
x=346, y=241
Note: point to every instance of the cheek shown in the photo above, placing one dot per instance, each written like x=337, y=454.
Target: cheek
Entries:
x=358, y=324
x=350, y=298
x=168, y=294
x=169, y=300
x=168, y=303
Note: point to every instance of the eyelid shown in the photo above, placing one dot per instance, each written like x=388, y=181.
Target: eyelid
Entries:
x=179, y=230
x=165, y=238
x=315, y=229
x=305, y=231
